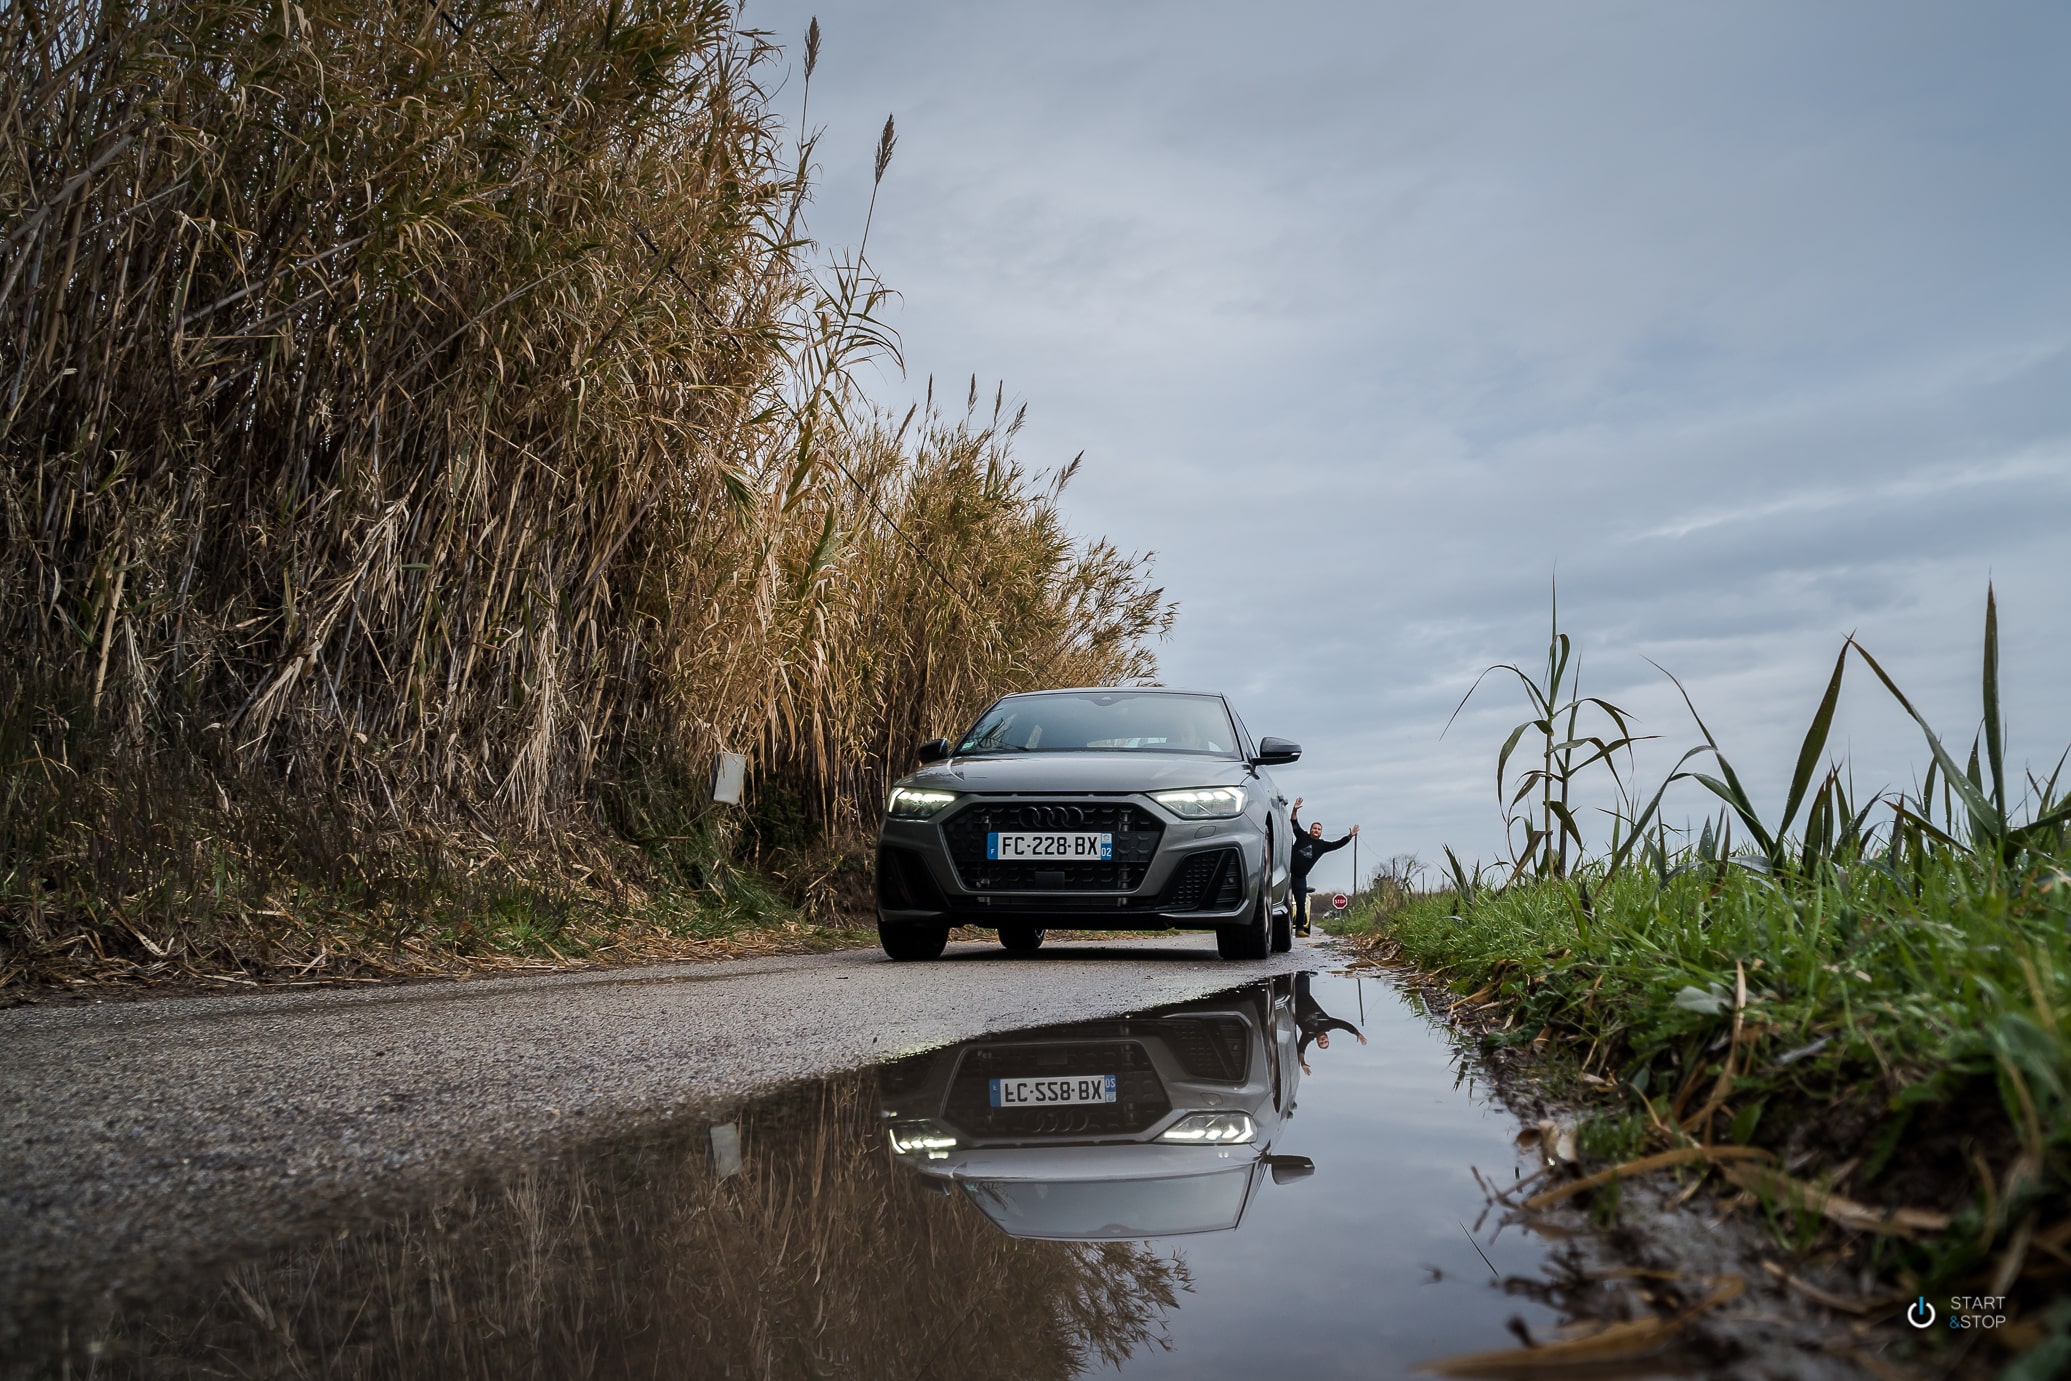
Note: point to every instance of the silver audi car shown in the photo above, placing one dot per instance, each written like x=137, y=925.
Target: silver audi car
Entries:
x=1090, y=809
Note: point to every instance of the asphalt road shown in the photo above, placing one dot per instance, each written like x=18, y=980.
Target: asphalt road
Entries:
x=138, y=1138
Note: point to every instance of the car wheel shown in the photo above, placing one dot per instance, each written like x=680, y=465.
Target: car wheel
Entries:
x=1254, y=938
x=911, y=942
x=1022, y=939
x=1283, y=921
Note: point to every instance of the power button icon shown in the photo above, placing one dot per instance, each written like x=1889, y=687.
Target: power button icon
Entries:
x=1920, y=1313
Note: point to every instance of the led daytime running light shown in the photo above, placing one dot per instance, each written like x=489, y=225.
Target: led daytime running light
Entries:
x=918, y=803
x=1211, y=1129
x=909, y=1137
x=1203, y=803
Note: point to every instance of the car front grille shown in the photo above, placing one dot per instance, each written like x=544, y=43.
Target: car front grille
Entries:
x=1207, y=882
x=1139, y=1095
x=1136, y=834
x=905, y=1076
x=1213, y=1048
x=903, y=883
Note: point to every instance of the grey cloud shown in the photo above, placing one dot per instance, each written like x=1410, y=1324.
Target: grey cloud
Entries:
x=1750, y=319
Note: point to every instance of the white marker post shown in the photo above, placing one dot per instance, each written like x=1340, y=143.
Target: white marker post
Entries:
x=729, y=776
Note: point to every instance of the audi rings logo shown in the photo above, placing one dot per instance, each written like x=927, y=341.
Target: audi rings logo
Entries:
x=1053, y=817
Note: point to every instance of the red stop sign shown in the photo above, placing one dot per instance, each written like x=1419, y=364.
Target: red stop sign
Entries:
x=1340, y=901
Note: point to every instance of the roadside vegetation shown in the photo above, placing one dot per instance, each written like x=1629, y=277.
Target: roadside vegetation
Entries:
x=428, y=434
x=1869, y=994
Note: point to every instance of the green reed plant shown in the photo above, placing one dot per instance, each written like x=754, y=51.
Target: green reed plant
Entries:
x=1565, y=752
x=1836, y=826
x=1907, y=968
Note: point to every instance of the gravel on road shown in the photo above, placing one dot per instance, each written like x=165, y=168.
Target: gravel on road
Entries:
x=138, y=1138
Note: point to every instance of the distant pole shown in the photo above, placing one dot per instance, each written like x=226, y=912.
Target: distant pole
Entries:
x=1355, y=865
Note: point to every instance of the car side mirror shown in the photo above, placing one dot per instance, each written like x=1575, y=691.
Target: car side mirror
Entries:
x=934, y=750
x=1288, y=1169
x=1272, y=752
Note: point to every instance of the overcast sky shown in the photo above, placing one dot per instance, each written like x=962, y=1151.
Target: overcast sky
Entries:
x=1754, y=320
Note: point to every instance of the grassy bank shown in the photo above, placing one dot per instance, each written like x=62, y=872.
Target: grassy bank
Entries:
x=427, y=436
x=1877, y=1003
x=233, y=897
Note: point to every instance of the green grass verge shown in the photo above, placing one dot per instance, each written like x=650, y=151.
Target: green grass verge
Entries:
x=1904, y=1032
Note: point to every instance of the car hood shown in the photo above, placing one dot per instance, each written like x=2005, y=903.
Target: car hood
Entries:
x=1066, y=772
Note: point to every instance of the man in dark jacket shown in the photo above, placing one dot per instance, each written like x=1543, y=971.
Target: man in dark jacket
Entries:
x=1309, y=845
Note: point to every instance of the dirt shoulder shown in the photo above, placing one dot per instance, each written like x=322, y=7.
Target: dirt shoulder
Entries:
x=84, y=981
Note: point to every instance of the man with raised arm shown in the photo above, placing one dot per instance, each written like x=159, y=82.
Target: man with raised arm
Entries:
x=1309, y=845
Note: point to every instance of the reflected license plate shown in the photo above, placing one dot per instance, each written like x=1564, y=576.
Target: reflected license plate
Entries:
x=1050, y=1093
x=1081, y=845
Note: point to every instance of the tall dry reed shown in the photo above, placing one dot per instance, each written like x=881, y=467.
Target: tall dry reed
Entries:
x=425, y=426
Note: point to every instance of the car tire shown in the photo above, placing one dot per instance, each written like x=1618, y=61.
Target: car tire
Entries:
x=908, y=943
x=1022, y=939
x=1283, y=921
x=1254, y=938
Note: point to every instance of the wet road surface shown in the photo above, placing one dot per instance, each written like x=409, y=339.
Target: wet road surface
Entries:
x=1067, y=1162
x=138, y=1137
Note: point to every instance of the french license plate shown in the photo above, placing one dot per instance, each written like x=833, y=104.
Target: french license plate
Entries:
x=1051, y=1093
x=1081, y=846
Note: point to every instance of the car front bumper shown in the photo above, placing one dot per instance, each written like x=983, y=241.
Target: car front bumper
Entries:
x=1200, y=874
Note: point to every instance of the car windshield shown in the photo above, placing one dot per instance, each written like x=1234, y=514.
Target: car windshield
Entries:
x=1104, y=721
x=1113, y=1210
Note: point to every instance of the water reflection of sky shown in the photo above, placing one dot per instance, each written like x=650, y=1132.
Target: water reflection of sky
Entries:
x=791, y=1240
x=1330, y=1276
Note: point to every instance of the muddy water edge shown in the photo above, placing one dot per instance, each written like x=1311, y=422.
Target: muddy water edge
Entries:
x=1307, y=1176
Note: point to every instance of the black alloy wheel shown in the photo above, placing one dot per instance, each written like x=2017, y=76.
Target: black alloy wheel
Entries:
x=1022, y=939
x=907, y=943
x=1252, y=939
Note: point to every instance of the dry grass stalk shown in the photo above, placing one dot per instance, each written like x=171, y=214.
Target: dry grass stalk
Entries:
x=1776, y=1186
x=1660, y=1160
x=447, y=437
x=1622, y=1341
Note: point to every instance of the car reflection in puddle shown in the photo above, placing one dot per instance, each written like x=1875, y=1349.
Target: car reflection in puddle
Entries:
x=1160, y=1125
x=1183, y=1131
x=1047, y=1203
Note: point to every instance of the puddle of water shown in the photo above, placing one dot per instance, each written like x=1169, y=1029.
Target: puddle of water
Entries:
x=1367, y=1266
x=1170, y=1194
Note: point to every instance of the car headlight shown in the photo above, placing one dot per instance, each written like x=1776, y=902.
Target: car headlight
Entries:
x=920, y=1135
x=918, y=803
x=1203, y=803
x=1211, y=1129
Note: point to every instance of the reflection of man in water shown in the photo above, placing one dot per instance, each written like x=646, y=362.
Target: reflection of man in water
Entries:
x=1315, y=1023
